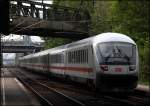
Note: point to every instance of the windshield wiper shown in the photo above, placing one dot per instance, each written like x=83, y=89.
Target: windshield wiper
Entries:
x=122, y=53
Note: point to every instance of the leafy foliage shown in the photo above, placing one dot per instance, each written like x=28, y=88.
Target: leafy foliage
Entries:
x=54, y=42
x=132, y=18
x=122, y=16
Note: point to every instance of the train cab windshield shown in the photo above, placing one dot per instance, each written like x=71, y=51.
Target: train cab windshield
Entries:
x=117, y=53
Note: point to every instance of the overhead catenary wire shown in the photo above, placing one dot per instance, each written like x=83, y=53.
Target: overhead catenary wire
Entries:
x=18, y=24
x=28, y=26
x=82, y=21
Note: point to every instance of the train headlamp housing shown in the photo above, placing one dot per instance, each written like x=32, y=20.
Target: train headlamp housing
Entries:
x=104, y=67
x=132, y=67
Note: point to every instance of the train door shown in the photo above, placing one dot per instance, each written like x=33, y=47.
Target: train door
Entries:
x=63, y=62
x=46, y=62
x=49, y=63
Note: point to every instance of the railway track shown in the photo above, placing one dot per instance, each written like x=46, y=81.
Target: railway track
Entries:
x=46, y=94
x=132, y=99
x=78, y=97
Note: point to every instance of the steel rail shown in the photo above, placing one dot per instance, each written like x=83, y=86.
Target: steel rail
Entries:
x=70, y=98
x=130, y=100
x=65, y=97
x=43, y=100
x=40, y=97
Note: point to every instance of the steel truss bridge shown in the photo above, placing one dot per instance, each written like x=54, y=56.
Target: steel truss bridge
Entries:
x=22, y=46
x=34, y=18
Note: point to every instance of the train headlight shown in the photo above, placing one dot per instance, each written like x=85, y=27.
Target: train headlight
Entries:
x=104, y=67
x=132, y=67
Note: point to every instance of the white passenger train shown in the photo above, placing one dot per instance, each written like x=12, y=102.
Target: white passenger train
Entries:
x=109, y=61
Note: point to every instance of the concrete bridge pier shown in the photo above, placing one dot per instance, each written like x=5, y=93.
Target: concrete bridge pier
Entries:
x=1, y=55
x=18, y=55
x=1, y=60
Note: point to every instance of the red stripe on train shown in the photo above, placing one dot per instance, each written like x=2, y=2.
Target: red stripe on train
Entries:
x=81, y=69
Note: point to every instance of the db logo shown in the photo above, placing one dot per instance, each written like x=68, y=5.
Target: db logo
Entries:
x=117, y=69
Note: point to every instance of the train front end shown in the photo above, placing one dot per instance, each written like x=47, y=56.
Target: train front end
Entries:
x=117, y=64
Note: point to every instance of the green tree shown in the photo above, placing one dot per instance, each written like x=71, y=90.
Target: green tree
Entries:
x=122, y=16
x=54, y=42
x=132, y=18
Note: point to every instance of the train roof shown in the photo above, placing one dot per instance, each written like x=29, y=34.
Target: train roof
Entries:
x=112, y=37
x=45, y=52
x=104, y=37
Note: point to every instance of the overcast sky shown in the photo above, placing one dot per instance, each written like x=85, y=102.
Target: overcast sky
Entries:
x=8, y=55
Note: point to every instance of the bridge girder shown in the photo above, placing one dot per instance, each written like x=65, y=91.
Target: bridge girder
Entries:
x=48, y=19
x=20, y=49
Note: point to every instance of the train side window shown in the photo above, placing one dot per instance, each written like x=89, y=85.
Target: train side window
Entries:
x=78, y=56
x=87, y=56
x=68, y=57
x=59, y=58
x=56, y=57
x=81, y=56
x=84, y=56
x=62, y=58
x=71, y=56
x=78, y=53
x=74, y=57
x=57, y=61
x=84, y=61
